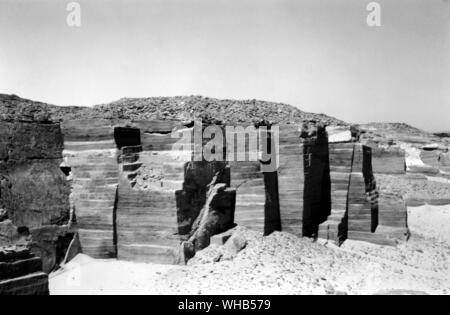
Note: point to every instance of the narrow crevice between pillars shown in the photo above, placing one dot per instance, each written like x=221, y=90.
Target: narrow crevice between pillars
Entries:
x=317, y=196
x=272, y=217
x=371, y=189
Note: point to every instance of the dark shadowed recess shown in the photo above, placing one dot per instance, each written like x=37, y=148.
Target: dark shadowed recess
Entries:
x=272, y=216
x=370, y=183
x=317, y=193
x=127, y=137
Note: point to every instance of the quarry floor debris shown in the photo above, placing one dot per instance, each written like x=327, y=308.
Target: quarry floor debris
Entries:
x=282, y=264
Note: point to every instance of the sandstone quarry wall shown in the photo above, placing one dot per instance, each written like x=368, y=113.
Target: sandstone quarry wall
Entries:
x=291, y=180
x=34, y=190
x=341, y=158
x=248, y=180
x=161, y=194
x=134, y=195
x=127, y=193
x=362, y=210
x=91, y=154
x=147, y=222
x=334, y=191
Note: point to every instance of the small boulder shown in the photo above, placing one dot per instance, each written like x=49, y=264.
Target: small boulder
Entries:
x=185, y=253
x=222, y=238
x=339, y=134
x=236, y=243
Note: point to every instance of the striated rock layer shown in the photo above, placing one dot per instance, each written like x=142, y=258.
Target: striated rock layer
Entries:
x=21, y=273
x=150, y=175
x=90, y=153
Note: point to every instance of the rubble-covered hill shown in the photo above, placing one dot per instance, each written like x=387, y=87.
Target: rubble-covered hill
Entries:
x=396, y=128
x=171, y=108
x=385, y=133
x=15, y=108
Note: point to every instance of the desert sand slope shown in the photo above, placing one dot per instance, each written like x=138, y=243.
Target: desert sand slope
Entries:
x=283, y=264
x=433, y=222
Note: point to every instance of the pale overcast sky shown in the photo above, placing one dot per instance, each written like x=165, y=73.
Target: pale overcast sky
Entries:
x=319, y=55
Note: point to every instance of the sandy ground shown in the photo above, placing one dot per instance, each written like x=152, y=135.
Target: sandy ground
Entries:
x=433, y=222
x=284, y=264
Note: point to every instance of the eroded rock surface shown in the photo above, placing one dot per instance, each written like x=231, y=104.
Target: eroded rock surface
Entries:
x=217, y=216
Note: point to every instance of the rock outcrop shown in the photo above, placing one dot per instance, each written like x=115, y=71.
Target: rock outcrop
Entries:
x=424, y=178
x=21, y=273
x=217, y=216
x=34, y=191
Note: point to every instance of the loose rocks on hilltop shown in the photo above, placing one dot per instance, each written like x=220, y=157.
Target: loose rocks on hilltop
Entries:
x=183, y=108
